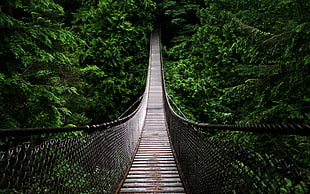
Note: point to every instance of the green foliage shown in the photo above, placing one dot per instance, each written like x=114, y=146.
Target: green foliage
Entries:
x=38, y=65
x=116, y=51
x=234, y=58
x=244, y=62
x=69, y=63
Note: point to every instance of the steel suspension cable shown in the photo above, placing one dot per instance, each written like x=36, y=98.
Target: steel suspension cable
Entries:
x=289, y=129
x=213, y=165
x=133, y=104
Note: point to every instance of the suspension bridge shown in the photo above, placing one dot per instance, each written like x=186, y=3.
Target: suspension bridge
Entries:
x=151, y=150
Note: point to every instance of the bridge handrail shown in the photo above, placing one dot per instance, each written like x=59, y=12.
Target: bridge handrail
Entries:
x=88, y=128
x=92, y=162
x=285, y=129
x=288, y=129
x=214, y=165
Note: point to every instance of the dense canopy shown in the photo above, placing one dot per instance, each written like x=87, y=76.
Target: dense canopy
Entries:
x=78, y=62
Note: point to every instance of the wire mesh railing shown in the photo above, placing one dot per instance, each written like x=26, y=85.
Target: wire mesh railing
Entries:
x=93, y=162
x=90, y=163
x=210, y=164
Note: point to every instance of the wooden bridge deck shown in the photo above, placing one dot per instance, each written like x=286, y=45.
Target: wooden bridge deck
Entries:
x=154, y=169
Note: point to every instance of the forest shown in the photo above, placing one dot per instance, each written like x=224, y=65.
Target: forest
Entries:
x=241, y=62
x=77, y=62
x=71, y=62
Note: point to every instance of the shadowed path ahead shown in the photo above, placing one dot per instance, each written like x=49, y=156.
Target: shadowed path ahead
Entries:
x=154, y=168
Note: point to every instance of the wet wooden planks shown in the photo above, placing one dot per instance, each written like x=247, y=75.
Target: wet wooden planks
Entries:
x=154, y=169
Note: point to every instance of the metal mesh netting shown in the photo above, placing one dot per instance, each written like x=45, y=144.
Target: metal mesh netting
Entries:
x=214, y=166
x=91, y=163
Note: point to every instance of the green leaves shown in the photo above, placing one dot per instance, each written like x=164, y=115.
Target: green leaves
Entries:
x=244, y=62
x=37, y=64
x=116, y=35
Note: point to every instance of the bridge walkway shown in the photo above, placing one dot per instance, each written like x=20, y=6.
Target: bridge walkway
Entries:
x=154, y=169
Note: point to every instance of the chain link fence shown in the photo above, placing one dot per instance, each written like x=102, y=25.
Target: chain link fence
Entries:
x=91, y=163
x=210, y=165
x=94, y=162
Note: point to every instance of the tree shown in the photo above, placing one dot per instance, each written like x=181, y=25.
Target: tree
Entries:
x=241, y=54
x=38, y=65
x=115, y=54
x=246, y=62
x=71, y=62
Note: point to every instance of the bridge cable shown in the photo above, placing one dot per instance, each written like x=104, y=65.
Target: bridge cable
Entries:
x=138, y=100
x=169, y=97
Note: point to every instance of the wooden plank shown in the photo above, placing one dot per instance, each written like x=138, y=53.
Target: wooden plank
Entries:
x=153, y=190
x=155, y=164
x=154, y=169
x=155, y=145
x=152, y=184
x=153, y=179
x=160, y=145
x=163, y=150
x=157, y=150
x=154, y=155
x=149, y=172
x=143, y=176
x=153, y=159
x=154, y=148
